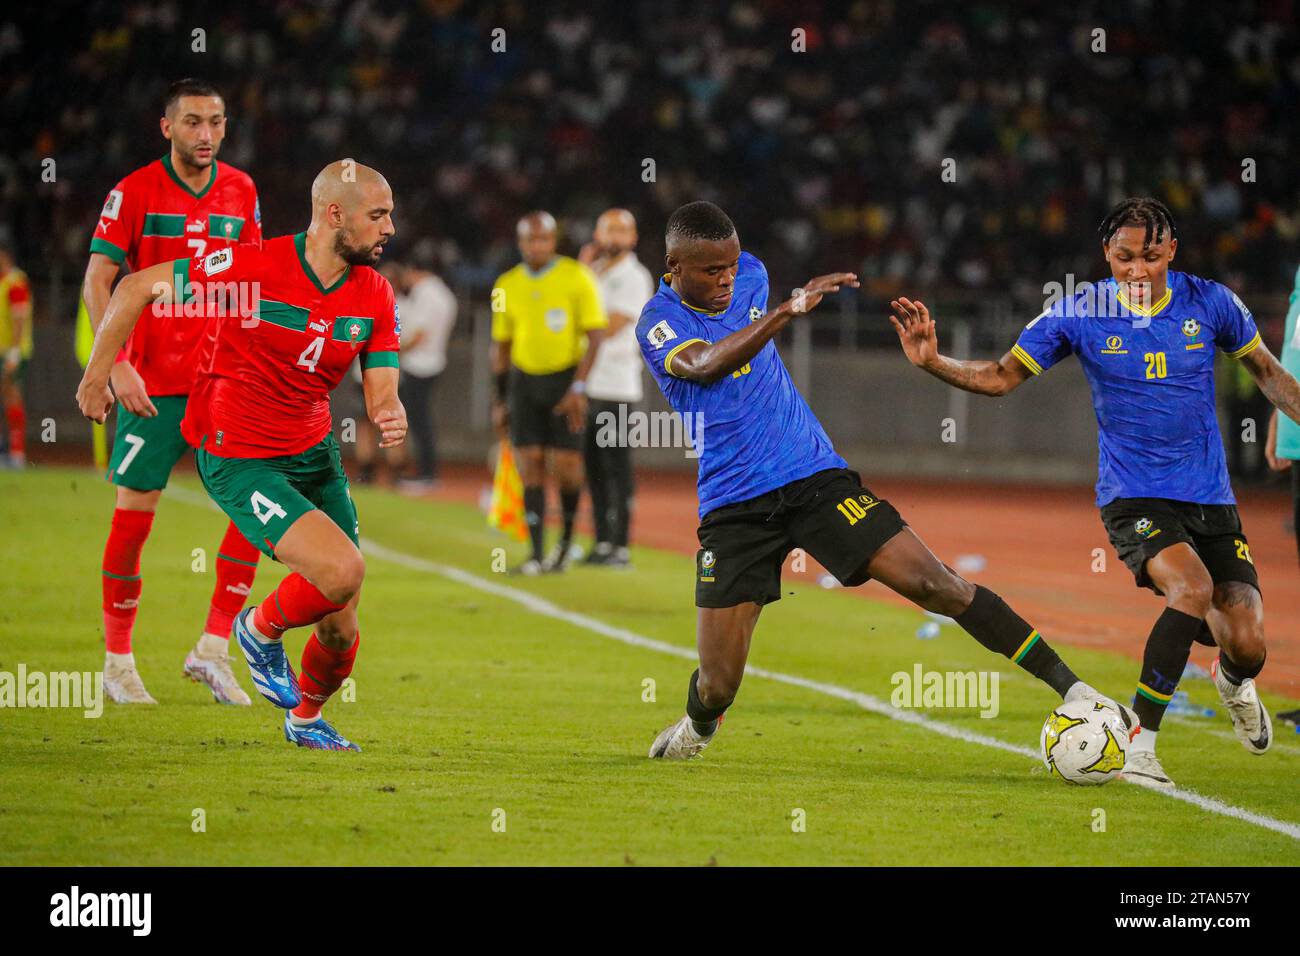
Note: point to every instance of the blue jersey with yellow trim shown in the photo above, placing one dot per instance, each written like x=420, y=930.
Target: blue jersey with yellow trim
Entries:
x=1151, y=372
x=752, y=429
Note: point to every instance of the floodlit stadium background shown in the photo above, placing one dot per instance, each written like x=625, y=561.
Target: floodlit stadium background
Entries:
x=822, y=128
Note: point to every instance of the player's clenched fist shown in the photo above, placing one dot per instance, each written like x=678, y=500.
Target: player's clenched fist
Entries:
x=392, y=427
x=95, y=399
x=915, y=331
x=806, y=297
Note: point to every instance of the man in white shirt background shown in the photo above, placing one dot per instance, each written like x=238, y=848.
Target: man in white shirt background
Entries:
x=615, y=378
x=428, y=311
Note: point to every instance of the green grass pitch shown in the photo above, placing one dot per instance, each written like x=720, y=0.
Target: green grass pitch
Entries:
x=476, y=711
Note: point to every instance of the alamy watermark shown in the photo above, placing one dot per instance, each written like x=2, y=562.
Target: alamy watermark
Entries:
x=634, y=428
x=81, y=690
x=960, y=689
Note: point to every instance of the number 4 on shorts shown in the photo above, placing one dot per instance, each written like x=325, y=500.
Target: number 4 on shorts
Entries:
x=264, y=509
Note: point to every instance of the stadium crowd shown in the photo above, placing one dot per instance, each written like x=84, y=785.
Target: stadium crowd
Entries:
x=823, y=126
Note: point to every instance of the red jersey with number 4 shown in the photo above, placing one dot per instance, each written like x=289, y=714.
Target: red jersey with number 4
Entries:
x=264, y=378
x=151, y=216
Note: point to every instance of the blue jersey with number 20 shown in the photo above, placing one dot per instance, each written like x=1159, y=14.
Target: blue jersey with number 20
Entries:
x=1151, y=372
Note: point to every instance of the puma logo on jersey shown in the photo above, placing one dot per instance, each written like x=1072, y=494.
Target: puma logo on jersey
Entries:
x=194, y=227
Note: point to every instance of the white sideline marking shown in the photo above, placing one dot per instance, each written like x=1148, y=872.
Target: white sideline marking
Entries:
x=544, y=607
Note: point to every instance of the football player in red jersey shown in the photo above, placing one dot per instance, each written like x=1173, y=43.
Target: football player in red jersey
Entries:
x=183, y=205
x=260, y=420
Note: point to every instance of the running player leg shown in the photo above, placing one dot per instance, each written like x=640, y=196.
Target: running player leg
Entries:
x=208, y=661
x=905, y=565
x=327, y=570
x=327, y=660
x=723, y=636
x=146, y=448
x=121, y=585
x=1236, y=619
x=1178, y=573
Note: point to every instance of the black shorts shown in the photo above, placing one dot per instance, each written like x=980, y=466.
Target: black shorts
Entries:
x=531, y=420
x=1140, y=528
x=830, y=515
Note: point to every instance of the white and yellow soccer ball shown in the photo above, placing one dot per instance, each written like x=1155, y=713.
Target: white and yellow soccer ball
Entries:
x=1084, y=742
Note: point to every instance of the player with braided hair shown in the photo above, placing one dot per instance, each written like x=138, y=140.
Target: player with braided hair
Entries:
x=1146, y=338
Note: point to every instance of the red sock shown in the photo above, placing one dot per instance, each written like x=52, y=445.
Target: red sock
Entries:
x=17, y=416
x=236, y=568
x=323, y=672
x=121, y=576
x=294, y=603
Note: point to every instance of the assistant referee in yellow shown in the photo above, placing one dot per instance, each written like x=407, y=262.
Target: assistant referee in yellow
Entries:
x=547, y=323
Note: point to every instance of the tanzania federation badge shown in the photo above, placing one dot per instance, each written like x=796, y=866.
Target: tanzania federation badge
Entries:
x=1191, y=328
x=707, y=560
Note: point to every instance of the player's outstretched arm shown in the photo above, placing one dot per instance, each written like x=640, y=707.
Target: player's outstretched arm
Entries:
x=916, y=332
x=702, y=362
x=1277, y=384
x=132, y=295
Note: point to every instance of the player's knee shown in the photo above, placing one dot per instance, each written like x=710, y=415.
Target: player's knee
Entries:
x=342, y=581
x=943, y=591
x=1191, y=594
x=1245, y=645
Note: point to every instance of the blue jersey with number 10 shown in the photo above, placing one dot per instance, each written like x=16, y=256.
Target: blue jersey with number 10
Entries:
x=755, y=432
x=1151, y=372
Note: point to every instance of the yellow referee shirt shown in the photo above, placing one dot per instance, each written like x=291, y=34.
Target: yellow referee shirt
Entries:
x=545, y=315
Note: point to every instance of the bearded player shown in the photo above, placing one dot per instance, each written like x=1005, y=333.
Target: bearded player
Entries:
x=1146, y=338
x=260, y=419
x=769, y=480
x=183, y=205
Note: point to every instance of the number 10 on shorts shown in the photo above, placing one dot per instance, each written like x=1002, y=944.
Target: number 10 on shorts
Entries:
x=855, y=509
x=264, y=509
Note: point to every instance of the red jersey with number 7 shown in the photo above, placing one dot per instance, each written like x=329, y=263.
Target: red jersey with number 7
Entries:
x=281, y=343
x=152, y=216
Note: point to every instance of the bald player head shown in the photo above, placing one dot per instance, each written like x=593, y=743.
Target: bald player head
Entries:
x=536, y=236
x=615, y=233
x=355, y=204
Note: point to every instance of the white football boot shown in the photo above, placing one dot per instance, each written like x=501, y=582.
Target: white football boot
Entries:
x=208, y=663
x=1249, y=717
x=1143, y=767
x=122, y=681
x=1082, y=691
x=679, y=742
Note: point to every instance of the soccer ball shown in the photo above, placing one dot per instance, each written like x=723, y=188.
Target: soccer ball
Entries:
x=1084, y=742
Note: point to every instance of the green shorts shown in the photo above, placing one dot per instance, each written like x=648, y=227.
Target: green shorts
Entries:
x=265, y=496
x=145, y=450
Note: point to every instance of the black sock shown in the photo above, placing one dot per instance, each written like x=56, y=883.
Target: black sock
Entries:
x=569, y=505
x=535, y=515
x=991, y=622
x=1167, y=650
x=1235, y=672
x=704, y=718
